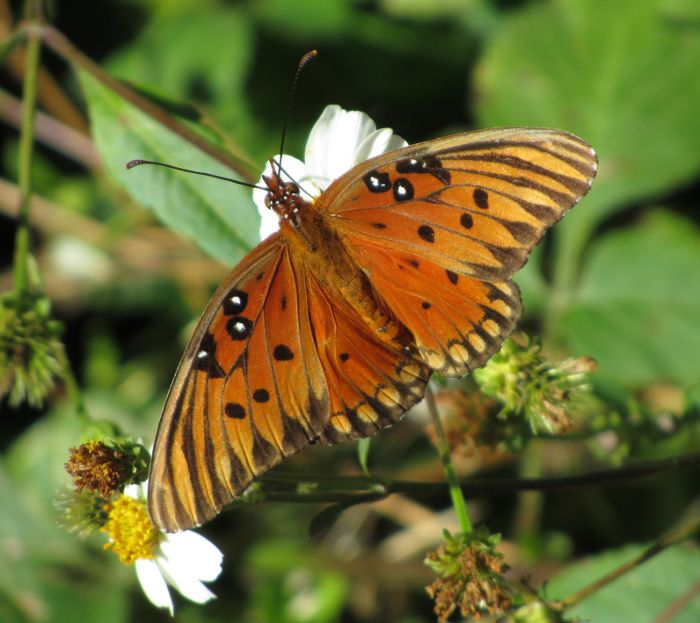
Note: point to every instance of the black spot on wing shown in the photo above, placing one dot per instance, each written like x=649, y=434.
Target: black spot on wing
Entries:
x=235, y=302
x=429, y=164
x=205, y=358
x=282, y=352
x=239, y=328
x=234, y=410
x=427, y=233
x=377, y=181
x=481, y=198
x=261, y=395
x=403, y=190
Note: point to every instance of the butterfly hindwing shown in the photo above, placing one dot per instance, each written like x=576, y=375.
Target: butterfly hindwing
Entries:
x=371, y=382
x=457, y=321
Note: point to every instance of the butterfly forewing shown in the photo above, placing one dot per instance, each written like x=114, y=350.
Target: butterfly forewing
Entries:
x=248, y=392
x=440, y=227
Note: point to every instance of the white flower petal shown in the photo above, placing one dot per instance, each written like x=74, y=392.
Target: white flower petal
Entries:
x=192, y=551
x=339, y=140
x=333, y=141
x=377, y=143
x=153, y=584
x=133, y=491
x=183, y=582
x=269, y=223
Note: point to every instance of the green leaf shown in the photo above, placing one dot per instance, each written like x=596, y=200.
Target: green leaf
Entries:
x=363, y=446
x=622, y=75
x=221, y=218
x=294, y=584
x=317, y=19
x=202, y=54
x=638, y=304
x=639, y=595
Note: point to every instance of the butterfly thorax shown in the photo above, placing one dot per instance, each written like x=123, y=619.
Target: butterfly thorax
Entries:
x=318, y=249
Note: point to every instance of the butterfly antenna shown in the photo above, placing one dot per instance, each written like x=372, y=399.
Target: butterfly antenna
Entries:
x=135, y=163
x=302, y=63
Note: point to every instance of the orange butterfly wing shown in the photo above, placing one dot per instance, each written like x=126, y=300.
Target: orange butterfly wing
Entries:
x=226, y=419
x=284, y=356
x=276, y=363
x=440, y=227
x=371, y=383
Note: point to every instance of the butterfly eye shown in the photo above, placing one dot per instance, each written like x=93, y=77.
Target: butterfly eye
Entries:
x=291, y=188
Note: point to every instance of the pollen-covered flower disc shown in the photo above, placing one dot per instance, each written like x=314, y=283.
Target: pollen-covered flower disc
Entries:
x=377, y=275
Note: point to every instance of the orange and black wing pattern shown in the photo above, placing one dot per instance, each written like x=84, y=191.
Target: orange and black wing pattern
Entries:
x=249, y=391
x=277, y=362
x=440, y=227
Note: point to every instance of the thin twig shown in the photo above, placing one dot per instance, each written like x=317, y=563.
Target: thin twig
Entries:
x=9, y=44
x=26, y=144
x=52, y=133
x=316, y=488
x=50, y=95
x=678, y=535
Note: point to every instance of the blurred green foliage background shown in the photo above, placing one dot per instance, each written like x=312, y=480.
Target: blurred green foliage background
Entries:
x=618, y=279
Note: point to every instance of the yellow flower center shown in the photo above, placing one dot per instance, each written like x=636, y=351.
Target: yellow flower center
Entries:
x=132, y=534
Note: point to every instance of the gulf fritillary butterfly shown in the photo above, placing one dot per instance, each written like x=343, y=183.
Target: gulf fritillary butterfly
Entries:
x=330, y=328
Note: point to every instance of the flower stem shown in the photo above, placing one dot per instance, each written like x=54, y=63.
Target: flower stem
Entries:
x=26, y=145
x=458, y=502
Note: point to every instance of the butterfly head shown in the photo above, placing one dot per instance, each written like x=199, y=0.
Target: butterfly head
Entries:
x=283, y=197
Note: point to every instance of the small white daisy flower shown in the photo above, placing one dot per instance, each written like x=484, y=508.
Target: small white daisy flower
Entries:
x=339, y=140
x=184, y=560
